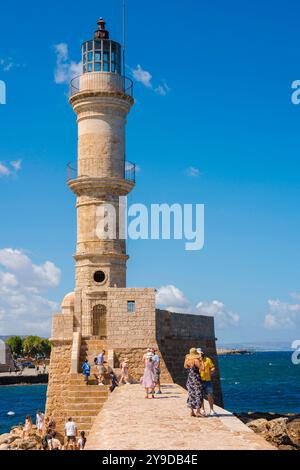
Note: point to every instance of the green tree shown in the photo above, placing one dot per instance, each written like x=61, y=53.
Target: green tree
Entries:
x=16, y=345
x=33, y=345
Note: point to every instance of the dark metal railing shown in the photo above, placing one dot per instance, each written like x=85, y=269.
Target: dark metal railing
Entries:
x=129, y=173
x=102, y=82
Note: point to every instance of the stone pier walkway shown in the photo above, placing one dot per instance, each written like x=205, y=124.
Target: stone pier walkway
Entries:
x=130, y=422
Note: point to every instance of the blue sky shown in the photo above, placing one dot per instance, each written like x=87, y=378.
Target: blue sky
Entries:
x=226, y=69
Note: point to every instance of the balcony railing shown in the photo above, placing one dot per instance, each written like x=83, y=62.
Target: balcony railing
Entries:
x=129, y=173
x=101, y=82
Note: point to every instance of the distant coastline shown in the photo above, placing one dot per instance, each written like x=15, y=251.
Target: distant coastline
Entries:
x=233, y=352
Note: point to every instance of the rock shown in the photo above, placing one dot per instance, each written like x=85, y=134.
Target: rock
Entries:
x=293, y=430
x=4, y=438
x=278, y=432
x=282, y=447
x=260, y=426
x=4, y=447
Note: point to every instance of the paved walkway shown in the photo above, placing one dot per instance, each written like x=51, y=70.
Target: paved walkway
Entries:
x=129, y=422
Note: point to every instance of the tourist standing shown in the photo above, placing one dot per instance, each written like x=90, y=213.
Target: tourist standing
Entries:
x=156, y=361
x=27, y=427
x=125, y=372
x=194, y=364
x=86, y=370
x=101, y=368
x=71, y=433
x=39, y=421
x=81, y=441
x=50, y=423
x=54, y=443
x=148, y=379
x=206, y=374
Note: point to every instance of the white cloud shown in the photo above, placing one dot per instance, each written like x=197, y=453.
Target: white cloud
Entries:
x=8, y=64
x=193, y=172
x=16, y=165
x=66, y=69
x=223, y=317
x=5, y=169
x=282, y=315
x=145, y=78
x=174, y=300
x=23, y=307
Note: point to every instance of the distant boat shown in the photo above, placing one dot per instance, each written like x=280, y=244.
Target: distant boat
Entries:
x=11, y=413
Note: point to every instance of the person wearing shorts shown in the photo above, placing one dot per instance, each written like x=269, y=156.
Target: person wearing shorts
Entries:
x=70, y=432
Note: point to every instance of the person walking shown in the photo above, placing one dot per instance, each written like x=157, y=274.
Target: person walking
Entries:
x=71, y=433
x=86, y=370
x=124, y=372
x=101, y=368
x=206, y=375
x=156, y=360
x=81, y=441
x=39, y=421
x=194, y=364
x=148, y=379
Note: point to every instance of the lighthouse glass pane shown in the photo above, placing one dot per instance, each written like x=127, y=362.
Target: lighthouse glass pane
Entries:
x=90, y=45
x=97, y=45
x=105, y=67
x=113, y=67
x=84, y=68
x=97, y=56
x=97, y=67
x=90, y=67
x=90, y=56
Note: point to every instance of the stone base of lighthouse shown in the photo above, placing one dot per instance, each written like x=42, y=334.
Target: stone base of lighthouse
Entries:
x=122, y=334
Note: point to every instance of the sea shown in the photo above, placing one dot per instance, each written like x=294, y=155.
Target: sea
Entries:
x=261, y=381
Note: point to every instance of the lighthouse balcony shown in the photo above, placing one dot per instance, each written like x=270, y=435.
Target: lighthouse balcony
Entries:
x=129, y=174
x=101, y=82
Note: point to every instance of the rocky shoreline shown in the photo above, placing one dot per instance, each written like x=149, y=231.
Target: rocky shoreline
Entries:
x=283, y=431
x=15, y=441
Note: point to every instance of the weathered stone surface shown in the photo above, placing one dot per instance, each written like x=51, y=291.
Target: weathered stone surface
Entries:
x=259, y=425
x=293, y=430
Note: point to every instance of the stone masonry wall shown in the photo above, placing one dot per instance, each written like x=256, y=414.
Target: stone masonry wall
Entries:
x=177, y=334
x=59, y=381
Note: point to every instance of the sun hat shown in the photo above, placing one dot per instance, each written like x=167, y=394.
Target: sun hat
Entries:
x=200, y=351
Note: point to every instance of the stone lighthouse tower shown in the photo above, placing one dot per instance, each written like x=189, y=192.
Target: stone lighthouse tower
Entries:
x=101, y=98
x=102, y=312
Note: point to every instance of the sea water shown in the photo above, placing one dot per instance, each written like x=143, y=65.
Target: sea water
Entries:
x=264, y=381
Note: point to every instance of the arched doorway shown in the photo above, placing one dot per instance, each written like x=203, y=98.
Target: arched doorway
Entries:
x=99, y=321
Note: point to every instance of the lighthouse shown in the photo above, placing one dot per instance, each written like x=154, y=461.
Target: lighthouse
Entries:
x=101, y=98
x=102, y=312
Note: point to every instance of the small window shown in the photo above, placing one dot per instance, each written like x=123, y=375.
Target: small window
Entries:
x=131, y=306
x=99, y=277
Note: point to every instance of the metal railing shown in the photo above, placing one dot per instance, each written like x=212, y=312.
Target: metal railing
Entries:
x=129, y=173
x=101, y=82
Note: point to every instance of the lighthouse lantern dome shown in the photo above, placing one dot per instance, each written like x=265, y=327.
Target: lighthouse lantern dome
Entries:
x=101, y=54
